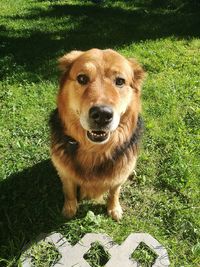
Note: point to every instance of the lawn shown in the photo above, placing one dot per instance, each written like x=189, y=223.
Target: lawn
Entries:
x=162, y=199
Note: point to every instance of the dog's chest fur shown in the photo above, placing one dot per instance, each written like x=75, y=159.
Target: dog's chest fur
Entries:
x=90, y=165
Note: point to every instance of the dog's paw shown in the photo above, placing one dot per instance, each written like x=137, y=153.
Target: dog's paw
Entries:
x=116, y=213
x=70, y=209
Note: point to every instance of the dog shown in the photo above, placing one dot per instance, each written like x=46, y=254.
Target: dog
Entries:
x=96, y=128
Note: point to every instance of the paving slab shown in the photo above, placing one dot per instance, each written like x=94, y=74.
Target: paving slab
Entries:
x=120, y=255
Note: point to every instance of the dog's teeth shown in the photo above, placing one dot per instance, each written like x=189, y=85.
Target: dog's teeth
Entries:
x=96, y=134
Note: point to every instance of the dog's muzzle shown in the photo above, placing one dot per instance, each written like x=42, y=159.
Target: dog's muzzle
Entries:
x=100, y=119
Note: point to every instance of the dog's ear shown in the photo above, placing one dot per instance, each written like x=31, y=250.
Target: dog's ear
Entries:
x=65, y=61
x=138, y=73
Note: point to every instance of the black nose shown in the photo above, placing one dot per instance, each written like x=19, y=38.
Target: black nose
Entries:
x=101, y=115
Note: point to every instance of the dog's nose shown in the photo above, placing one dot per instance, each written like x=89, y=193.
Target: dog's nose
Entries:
x=101, y=115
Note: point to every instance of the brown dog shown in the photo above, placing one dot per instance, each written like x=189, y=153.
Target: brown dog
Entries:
x=97, y=126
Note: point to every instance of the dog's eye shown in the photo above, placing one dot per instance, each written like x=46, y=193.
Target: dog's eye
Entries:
x=82, y=79
x=119, y=81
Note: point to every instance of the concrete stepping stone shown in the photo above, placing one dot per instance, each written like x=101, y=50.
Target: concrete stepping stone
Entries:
x=120, y=255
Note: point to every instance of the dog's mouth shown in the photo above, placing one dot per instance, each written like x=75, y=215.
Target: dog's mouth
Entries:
x=98, y=136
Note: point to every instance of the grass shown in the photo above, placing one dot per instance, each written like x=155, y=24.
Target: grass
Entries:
x=144, y=256
x=96, y=256
x=163, y=198
x=42, y=253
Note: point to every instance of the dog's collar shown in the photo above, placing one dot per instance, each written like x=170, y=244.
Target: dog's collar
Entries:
x=66, y=142
x=71, y=145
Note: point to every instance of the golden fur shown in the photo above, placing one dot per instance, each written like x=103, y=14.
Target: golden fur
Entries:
x=96, y=167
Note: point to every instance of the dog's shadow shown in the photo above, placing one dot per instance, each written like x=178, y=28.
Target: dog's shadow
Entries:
x=30, y=204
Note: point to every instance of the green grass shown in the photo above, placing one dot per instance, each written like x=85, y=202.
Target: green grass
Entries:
x=97, y=256
x=163, y=198
x=144, y=256
x=43, y=254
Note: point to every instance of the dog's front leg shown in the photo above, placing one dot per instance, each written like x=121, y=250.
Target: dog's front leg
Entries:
x=114, y=207
x=70, y=194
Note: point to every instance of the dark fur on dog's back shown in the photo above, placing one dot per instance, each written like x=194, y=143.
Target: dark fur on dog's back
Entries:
x=70, y=147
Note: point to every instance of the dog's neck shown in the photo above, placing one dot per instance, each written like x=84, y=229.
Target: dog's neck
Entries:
x=71, y=146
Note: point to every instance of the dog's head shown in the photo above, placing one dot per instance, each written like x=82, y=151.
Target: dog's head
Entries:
x=98, y=88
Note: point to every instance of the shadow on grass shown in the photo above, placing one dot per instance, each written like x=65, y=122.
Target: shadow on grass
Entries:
x=30, y=204
x=48, y=33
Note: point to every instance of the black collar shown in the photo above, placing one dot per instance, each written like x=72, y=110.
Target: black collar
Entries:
x=70, y=145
